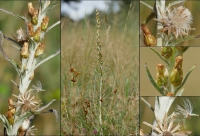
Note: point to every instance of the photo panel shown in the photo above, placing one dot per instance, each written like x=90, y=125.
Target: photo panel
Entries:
x=100, y=68
x=169, y=115
x=170, y=23
x=30, y=67
x=169, y=71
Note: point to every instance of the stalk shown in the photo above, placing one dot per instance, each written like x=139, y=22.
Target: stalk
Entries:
x=161, y=5
x=99, y=57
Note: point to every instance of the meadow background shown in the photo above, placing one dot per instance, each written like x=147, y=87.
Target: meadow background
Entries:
x=192, y=124
x=192, y=5
x=80, y=99
x=48, y=73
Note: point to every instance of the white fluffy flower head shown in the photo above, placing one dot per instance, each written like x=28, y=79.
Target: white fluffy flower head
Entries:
x=175, y=21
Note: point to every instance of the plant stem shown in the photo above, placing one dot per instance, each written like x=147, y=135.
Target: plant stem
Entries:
x=160, y=5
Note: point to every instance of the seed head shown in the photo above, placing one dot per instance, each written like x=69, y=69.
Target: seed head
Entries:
x=177, y=21
x=27, y=101
x=186, y=110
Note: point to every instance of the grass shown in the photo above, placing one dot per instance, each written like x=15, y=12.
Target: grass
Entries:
x=80, y=99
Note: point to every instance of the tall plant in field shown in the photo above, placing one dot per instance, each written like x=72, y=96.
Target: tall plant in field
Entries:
x=29, y=42
x=173, y=24
x=101, y=93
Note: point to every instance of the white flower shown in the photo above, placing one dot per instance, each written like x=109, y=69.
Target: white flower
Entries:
x=177, y=21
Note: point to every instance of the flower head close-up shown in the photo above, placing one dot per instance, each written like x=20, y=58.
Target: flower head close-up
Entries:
x=175, y=21
x=169, y=126
x=28, y=102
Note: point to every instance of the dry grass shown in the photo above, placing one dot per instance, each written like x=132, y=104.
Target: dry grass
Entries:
x=80, y=99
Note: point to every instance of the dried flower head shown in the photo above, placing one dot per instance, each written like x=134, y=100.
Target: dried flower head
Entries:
x=20, y=35
x=186, y=110
x=177, y=21
x=27, y=101
x=168, y=126
x=38, y=87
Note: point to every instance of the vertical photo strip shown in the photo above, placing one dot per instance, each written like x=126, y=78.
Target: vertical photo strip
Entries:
x=30, y=68
x=99, y=68
x=169, y=63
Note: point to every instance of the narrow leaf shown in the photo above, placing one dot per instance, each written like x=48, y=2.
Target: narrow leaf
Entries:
x=44, y=60
x=176, y=2
x=180, y=92
x=15, y=42
x=160, y=56
x=152, y=80
x=179, y=40
x=12, y=62
x=5, y=122
x=44, y=107
x=144, y=3
x=46, y=6
x=52, y=111
x=52, y=26
x=11, y=13
x=148, y=104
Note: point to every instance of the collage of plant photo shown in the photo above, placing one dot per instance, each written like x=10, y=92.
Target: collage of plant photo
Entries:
x=99, y=68
x=169, y=63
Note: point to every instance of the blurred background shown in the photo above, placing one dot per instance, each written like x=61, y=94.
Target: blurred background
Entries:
x=192, y=124
x=48, y=73
x=193, y=6
x=190, y=58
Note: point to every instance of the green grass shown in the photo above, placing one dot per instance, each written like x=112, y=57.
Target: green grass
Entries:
x=80, y=100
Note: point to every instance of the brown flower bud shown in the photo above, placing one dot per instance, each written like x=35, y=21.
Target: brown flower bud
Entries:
x=30, y=30
x=36, y=37
x=178, y=63
x=9, y=116
x=166, y=52
x=44, y=23
x=77, y=73
x=31, y=10
x=149, y=39
x=170, y=94
x=10, y=104
x=73, y=79
x=176, y=75
x=40, y=50
x=72, y=70
x=161, y=80
x=24, y=50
